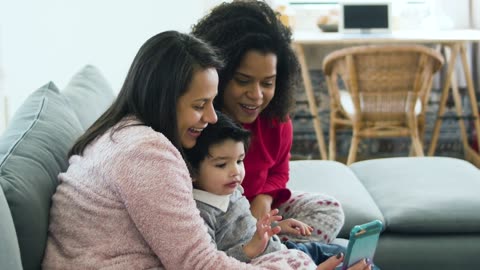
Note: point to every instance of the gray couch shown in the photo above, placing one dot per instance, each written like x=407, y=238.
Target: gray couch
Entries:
x=431, y=206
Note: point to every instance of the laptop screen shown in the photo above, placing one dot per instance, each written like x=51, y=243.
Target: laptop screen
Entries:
x=366, y=17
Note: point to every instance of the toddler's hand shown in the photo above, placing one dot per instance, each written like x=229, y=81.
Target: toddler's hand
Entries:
x=293, y=226
x=259, y=242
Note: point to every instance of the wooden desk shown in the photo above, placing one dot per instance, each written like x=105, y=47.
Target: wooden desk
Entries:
x=453, y=41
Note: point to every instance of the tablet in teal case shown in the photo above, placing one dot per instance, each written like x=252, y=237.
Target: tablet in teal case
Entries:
x=362, y=243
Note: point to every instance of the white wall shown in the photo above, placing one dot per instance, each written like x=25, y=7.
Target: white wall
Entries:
x=476, y=24
x=476, y=13
x=457, y=10
x=52, y=39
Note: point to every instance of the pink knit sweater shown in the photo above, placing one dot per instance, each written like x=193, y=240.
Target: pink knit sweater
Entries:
x=127, y=204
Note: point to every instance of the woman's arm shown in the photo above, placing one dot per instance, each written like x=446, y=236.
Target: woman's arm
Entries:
x=278, y=173
x=261, y=205
x=153, y=181
x=274, y=191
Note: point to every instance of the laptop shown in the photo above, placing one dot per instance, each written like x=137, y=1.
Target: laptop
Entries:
x=365, y=17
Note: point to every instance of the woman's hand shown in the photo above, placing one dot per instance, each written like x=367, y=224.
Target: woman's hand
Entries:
x=261, y=205
x=335, y=261
x=259, y=242
x=293, y=226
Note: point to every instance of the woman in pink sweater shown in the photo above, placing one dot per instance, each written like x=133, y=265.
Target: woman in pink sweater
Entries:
x=256, y=88
x=126, y=201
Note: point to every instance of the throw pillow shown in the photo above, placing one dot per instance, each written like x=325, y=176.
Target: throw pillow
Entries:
x=33, y=151
x=89, y=95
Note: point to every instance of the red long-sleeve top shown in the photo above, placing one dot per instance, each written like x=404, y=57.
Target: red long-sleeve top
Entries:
x=266, y=162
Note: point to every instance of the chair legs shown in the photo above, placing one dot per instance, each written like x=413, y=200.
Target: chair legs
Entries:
x=416, y=148
x=417, y=144
x=332, y=141
x=352, y=153
x=414, y=134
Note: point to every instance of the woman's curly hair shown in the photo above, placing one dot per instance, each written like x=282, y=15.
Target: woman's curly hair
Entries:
x=241, y=26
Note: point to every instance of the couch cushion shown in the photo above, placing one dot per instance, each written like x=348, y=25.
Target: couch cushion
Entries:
x=428, y=251
x=33, y=150
x=424, y=194
x=89, y=94
x=335, y=179
x=9, y=250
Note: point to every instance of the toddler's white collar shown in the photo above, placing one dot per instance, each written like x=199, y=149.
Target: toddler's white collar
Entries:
x=218, y=201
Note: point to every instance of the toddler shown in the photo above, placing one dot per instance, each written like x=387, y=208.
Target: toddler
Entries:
x=216, y=163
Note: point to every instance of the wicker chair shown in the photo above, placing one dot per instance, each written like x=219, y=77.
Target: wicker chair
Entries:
x=387, y=89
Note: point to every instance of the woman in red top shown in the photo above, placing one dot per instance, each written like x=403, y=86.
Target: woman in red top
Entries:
x=256, y=88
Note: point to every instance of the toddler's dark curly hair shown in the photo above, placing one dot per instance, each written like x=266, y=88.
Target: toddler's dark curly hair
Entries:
x=241, y=26
x=224, y=129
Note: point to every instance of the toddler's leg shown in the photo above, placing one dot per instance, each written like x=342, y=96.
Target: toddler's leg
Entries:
x=319, y=252
x=322, y=212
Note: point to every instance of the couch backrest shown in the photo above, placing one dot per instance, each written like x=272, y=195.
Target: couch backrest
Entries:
x=33, y=151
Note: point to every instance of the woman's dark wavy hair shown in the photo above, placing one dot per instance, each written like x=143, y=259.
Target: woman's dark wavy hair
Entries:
x=161, y=72
x=240, y=26
x=224, y=129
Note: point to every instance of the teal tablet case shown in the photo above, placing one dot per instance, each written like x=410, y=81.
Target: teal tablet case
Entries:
x=362, y=243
